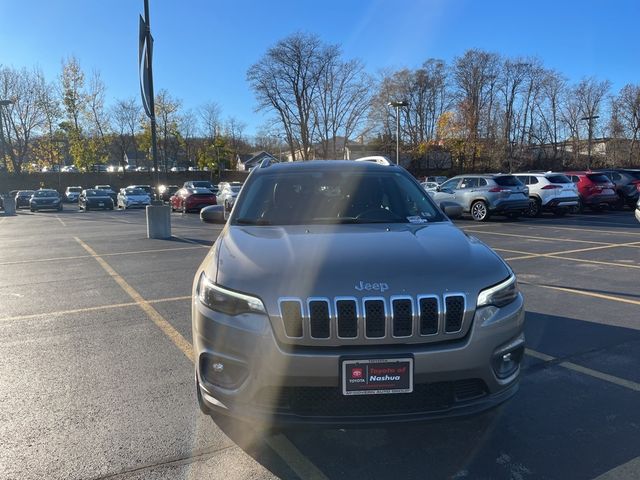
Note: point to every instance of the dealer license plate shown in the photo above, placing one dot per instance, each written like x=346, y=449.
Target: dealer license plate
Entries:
x=101, y=204
x=378, y=376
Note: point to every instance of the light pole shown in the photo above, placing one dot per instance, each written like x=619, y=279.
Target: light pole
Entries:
x=589, y=121
x=397, y=105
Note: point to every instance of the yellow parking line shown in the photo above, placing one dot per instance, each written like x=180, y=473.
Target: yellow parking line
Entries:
x=168, y=329
x=622, y=382
x=280, y=444
x=294, y=458
x=532, y=237
x=584, y=293
x=572, y=229
x=2, y=219
x=526, y=255
x=115, y=254
x=111, y=306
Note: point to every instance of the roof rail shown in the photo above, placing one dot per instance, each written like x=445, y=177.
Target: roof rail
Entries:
x=265, y=163
x=379, y=159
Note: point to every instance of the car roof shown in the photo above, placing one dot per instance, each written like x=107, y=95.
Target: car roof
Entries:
x=324, y=165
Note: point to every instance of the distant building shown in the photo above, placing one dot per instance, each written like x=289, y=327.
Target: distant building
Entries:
x=245, y=162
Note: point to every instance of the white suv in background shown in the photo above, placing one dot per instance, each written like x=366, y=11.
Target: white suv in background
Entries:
x=549, y=191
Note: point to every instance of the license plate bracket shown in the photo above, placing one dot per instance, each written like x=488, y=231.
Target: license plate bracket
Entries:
x=377, y=376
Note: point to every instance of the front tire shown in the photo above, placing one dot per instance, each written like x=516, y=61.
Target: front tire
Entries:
x=479, y=211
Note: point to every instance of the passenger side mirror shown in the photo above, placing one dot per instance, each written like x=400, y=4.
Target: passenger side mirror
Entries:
x=451, y=209
x=213, y=214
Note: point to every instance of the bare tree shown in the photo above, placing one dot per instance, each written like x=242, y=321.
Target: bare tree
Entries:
x=626, y=106
x=234, y=131
x=23, y=118
x=167, y=109
x=589, y=94
x=475, y=75
x=343, y=99
x=210, y=117
x=286, y=82
x=126, y=116
x=97, y=116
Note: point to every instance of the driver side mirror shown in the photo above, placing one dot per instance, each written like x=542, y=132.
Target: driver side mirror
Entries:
x=213, y=214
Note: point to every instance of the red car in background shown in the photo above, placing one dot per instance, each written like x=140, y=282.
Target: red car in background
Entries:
x=192, y=199
x=595, y=189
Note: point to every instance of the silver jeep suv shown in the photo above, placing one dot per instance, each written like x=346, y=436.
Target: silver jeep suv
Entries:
x=339, y=293
x=485, y=195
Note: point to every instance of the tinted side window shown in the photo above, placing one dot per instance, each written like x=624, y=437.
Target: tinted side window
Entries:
x=469, y=183
x=532, y=180
x=482, y=182
x=450, y=184
x=508, y=181
x=558, y=179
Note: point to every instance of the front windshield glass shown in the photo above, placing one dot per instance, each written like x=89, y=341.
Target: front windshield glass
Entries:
x=335, y=197
x=45, y=193
x=202, y=184
x=135, y=191
x=75, y=189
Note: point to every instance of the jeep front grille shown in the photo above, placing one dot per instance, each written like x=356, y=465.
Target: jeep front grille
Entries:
x=374, y=319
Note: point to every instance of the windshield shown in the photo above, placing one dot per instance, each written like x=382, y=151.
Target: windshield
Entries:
x=508, y=181
x=598, y=178
x=103, y=187
x=95, y=193
x=202, y=184
x=330, y=197
x=75, y=189
x=45, y=193
x=135, y=191
x=558, y=179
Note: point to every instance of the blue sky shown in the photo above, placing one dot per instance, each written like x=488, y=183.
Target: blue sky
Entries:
x=204, y=48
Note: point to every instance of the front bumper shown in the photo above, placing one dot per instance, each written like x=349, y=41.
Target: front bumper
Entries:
x=277, y=384
x=45, y=206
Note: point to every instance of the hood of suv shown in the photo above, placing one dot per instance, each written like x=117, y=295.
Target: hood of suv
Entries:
x=353, y=260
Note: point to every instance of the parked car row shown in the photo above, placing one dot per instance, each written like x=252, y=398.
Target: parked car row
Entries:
x=533, y=193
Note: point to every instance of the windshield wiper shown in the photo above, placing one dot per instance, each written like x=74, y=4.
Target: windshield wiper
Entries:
x=252, y=221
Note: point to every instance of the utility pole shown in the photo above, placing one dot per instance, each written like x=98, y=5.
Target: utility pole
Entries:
x=397, y=105
x=146, y=82
x=589, y=121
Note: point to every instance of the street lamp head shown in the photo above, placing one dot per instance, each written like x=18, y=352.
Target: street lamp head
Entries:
x=398, y=103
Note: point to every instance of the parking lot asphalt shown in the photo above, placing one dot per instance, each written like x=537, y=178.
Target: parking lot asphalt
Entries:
x=96, y=375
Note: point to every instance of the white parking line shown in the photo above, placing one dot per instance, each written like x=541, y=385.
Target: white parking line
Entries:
x=60, y=220
x=115, y=254
x=625, y=471
x=535, y=237
x=621, y=382
x=583, y=292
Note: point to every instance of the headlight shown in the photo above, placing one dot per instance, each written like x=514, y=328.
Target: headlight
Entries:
x=501, y=294
x=226, y=301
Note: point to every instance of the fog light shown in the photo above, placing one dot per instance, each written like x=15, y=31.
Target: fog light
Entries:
x=222, y=372
x=218, y=367
x=506, y=359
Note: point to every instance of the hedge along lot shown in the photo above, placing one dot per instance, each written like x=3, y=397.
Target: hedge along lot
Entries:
x=60, y=181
